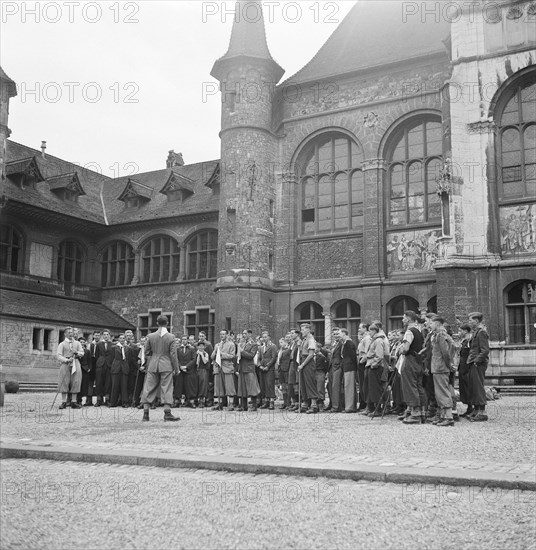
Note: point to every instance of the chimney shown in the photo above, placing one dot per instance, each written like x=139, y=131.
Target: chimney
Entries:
x=174, y=159
x=43, y=147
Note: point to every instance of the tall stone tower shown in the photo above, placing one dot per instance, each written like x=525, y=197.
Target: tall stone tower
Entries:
x=248, y=76
x=8, y=89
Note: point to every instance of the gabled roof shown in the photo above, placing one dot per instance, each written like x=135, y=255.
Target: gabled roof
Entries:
x=59, y=310
x=27, y=166
x=379, y=32
x=178, y=182
x=134, y=188
x=87, y=208
x=66, y=181
x=192, y=177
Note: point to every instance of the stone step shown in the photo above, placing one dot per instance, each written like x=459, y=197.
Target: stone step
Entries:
x=516, y=390
x=37, y=387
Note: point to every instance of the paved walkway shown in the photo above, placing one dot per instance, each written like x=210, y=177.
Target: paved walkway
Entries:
x=335, y=466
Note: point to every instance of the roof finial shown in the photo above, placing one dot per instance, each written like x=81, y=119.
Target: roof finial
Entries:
x=43, y=147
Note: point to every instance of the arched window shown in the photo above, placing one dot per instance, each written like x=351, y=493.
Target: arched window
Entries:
x=396, y=308
x=521, y=312
x=311, y=312
x=431, y=305
x=70, y=262
x=10, y=249
x=515, y=118
x=331, y=183
x=347, y=314
x=415, y=159
x=117, y=266
x=202, y=250
x=160, y=260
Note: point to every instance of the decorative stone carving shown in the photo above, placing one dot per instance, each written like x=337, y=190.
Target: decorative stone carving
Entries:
x=481, y=127
x=230, y=249
x=373, y=164
x=370, y=119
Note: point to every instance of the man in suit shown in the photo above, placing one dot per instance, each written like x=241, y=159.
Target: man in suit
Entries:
x=161, y=353
x=293, y=389
x=92, y=347
x=248, y=384
x=120, y=371
x=187, y=379
x=349, y=368
x=267, y=360
x=203, y=370
x=104, y=357
x=336, y=374
x=362, y=350
x=132, y=355
x=478, y=363
x=85, y=366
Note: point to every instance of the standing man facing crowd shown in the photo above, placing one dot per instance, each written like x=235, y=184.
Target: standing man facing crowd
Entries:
x=161, y=353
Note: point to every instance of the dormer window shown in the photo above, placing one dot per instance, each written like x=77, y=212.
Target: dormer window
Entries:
x=214, y=180
x=177, y=187
x=67, y=187
x=24, y=173
x=135, y=194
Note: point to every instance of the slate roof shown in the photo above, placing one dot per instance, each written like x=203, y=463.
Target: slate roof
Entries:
x=377, y=32
x=192, y=177
x=59, y=310
x=88, y=206
x=158, y=206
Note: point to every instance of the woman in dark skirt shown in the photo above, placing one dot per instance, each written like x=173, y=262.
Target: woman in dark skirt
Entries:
x=463, y=369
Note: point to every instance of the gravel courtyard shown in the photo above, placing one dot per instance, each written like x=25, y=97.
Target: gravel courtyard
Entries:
x=509, y=436
x=90, y=506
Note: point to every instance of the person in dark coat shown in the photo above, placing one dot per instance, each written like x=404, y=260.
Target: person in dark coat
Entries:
x=92, y=347
x=186, y=355
x=120, y=371
x=202, y=364
x=478, y=363
x=282, y=366
x=132, y=352
x=463, y=369
x=376, y=368
x=248, y=384
x=294, y=346
x=85, y=365
x=267, y=360
x=349, y=367
x=104, y=357
x=321, y=360
x=336, y=374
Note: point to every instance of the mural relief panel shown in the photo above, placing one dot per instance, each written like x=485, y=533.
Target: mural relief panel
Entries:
x=413, y=250
x=518, y=229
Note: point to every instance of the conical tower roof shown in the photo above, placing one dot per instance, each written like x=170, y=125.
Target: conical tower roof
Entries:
x=248, y=39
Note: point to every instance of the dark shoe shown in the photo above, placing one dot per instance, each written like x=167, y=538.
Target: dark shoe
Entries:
x=293, y=407
x=63, y=405
x=230, y=408
x=348, y=412
x=218, y=408
x=446, y=422
x=456, y=417
x=241, y=409
x=253, y=408
x=265, y=406
x=76, y=406
x=88, y=403
x=168, y=417
x=467, y=412
x=480, y=417
x=145, y=416
x=153, y=407
x=270, y=406
x=140, y=406
x=311, y=410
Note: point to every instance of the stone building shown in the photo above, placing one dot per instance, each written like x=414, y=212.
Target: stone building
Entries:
x=396, y=170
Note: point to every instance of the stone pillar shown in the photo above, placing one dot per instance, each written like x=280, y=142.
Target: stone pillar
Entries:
x=373, y=233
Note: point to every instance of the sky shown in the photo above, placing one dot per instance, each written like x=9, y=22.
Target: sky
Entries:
x=114, y=86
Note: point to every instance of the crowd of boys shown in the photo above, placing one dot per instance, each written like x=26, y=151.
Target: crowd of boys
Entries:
x=409, y=372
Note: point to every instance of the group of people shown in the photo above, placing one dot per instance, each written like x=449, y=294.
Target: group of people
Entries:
x=409, y=372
